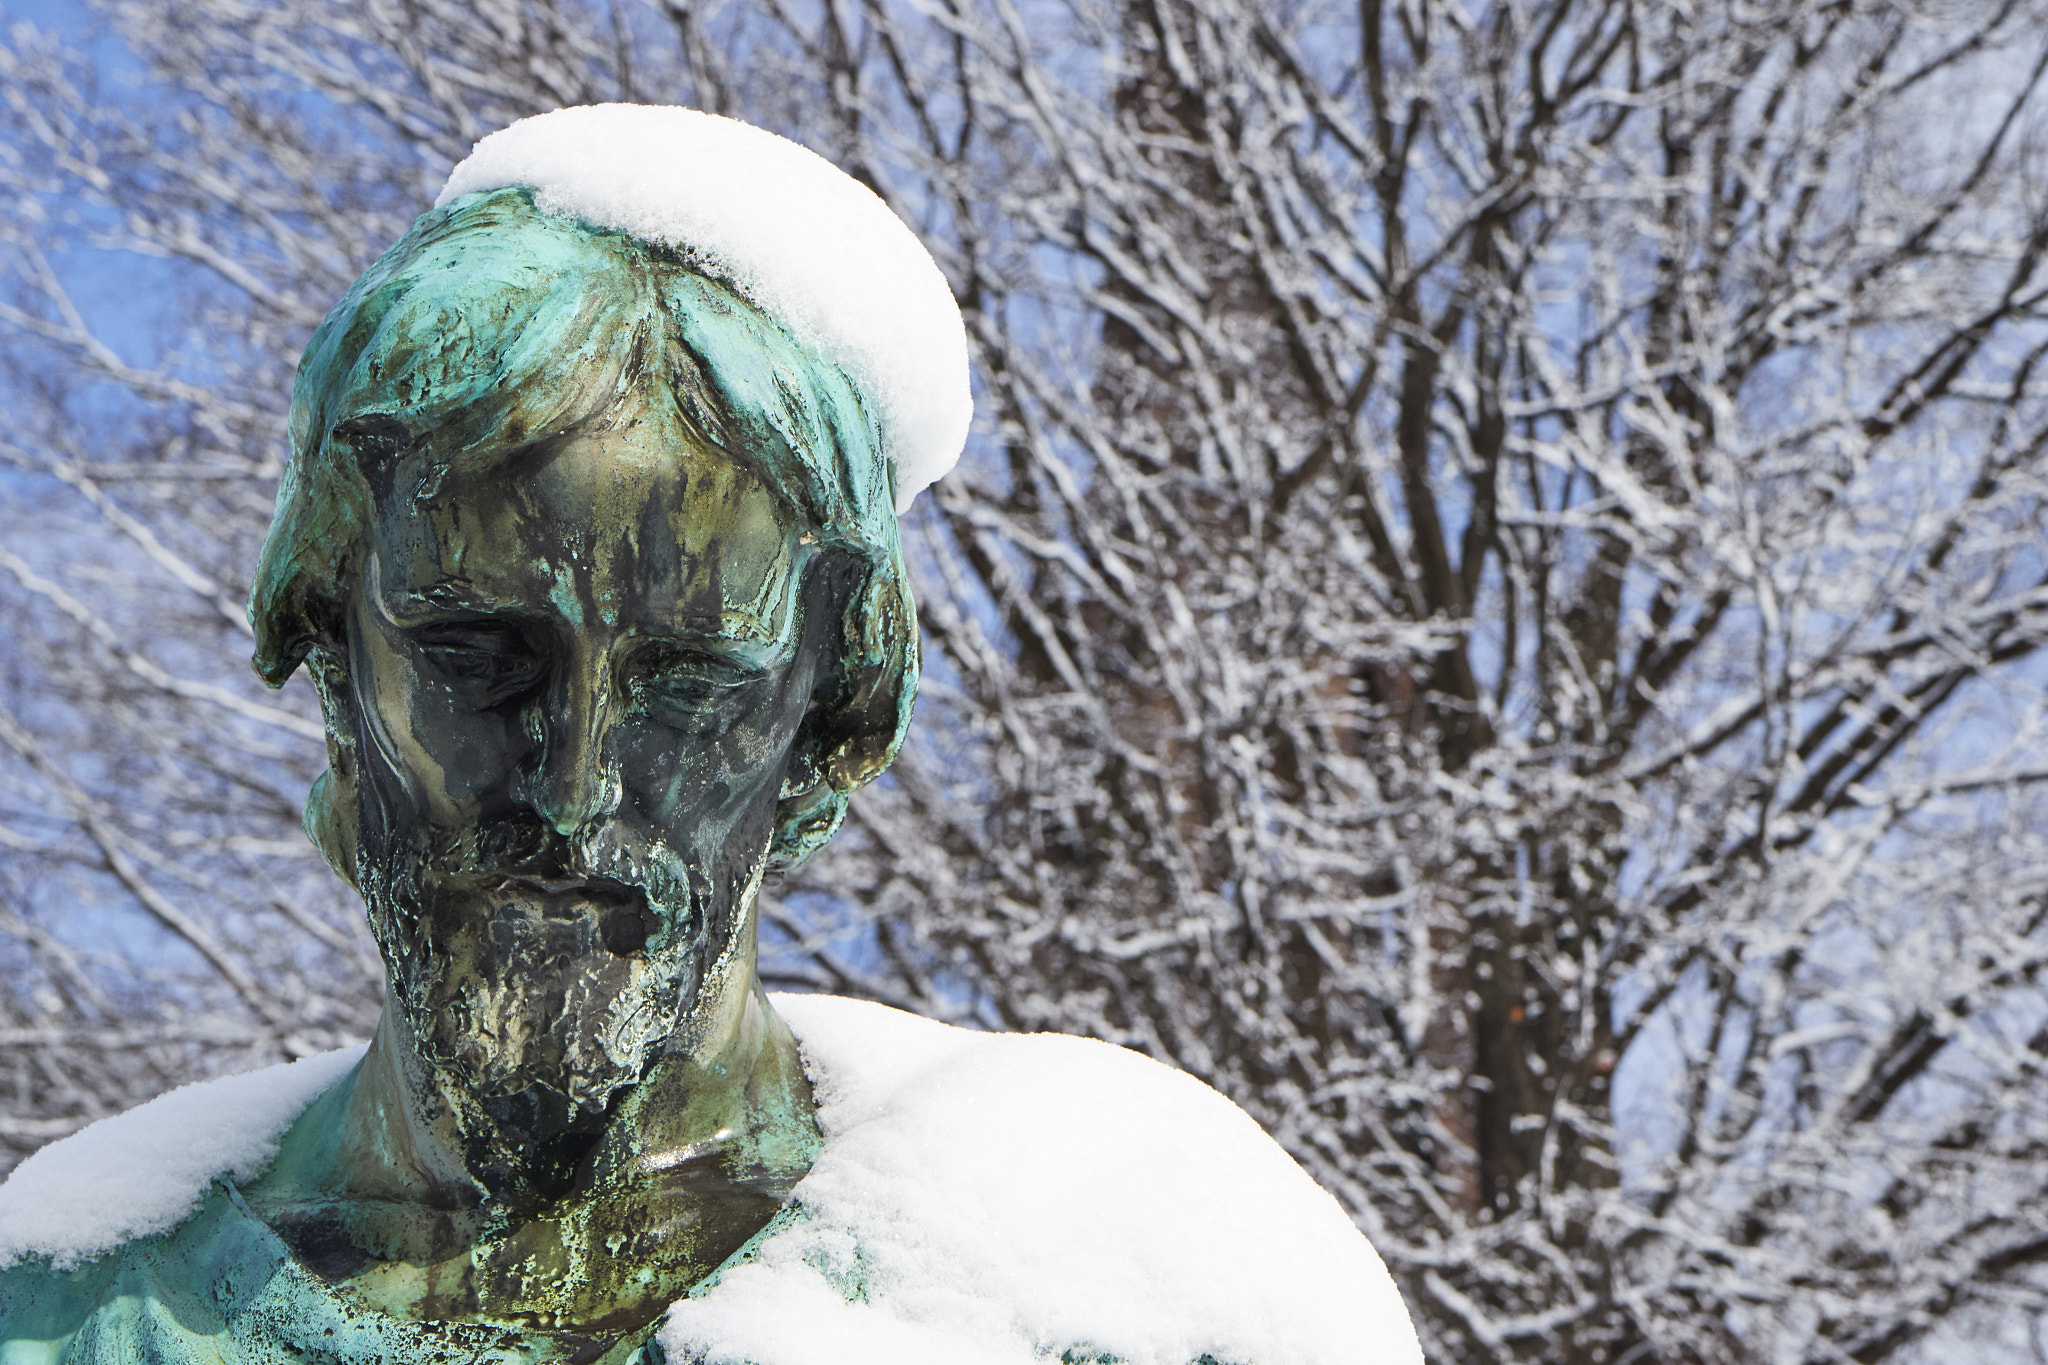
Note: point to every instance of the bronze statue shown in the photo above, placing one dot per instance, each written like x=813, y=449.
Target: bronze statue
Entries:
x=593, y=560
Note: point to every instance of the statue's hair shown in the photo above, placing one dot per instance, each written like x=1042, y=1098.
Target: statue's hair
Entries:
x=454, y=335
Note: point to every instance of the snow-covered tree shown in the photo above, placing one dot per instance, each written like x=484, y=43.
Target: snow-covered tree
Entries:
x=1491, y=613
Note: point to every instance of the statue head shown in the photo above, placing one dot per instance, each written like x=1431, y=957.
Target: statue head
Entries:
x=594, y=564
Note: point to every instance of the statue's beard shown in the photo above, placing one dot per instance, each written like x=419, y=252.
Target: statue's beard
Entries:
x=539, y=978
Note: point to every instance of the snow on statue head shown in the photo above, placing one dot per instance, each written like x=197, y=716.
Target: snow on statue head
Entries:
x=812, y=246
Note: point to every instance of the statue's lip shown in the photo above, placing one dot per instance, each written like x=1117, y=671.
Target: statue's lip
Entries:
x=624, y=919
x=621, y=912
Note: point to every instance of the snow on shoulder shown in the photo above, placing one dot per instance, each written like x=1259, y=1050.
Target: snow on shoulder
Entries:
x=146, y=1170
x=998, y=1199
x=807, y=242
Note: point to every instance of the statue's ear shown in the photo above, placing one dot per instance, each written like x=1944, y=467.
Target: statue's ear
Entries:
x=857, y=723
x=331, y=816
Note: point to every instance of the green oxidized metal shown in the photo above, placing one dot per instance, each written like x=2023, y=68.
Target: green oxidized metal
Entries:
x=595, y=568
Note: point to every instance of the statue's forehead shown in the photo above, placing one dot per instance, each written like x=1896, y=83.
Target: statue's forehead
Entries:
x=634, y=525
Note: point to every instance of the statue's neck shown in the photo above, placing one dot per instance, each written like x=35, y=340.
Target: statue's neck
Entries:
x=426, y=1202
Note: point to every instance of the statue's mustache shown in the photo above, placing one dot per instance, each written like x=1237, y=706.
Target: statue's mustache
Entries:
x=513, y=843
x=519, y=846
x=515, y=867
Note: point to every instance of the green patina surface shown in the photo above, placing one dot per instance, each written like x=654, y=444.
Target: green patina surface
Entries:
x=223, y=1287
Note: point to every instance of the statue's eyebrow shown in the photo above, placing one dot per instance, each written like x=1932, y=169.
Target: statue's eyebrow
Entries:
x=450, y=594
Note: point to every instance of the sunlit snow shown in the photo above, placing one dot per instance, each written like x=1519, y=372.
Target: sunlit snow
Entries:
x=1001, y=1198
x=808, y=243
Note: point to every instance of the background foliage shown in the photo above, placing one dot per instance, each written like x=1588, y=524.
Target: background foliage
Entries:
x=1491, y=612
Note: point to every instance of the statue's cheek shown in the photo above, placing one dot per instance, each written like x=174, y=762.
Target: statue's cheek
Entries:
x=702, y=781
x=428, y=753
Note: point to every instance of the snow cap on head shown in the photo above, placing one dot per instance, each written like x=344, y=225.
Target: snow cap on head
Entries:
x=809, y=244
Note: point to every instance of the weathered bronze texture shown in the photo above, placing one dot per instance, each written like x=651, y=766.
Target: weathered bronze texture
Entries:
x=595, y=568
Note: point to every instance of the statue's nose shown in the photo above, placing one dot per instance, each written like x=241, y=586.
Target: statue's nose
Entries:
x=572, y=783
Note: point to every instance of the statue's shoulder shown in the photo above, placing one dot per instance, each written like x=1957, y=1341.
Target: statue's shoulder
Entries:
x=90, y=1224
x=1070, y=1197
x=145, y=1171
x=151, y=1297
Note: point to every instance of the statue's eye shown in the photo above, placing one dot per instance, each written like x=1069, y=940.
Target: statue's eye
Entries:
x=682, y=683
x=376, y=438
x=492, y=660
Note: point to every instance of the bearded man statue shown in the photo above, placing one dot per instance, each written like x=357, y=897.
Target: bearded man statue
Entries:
x=589, y=546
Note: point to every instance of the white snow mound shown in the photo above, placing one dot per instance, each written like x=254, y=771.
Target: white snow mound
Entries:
x=146, y=1170
x=807, y=242
x=1003, y=1198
